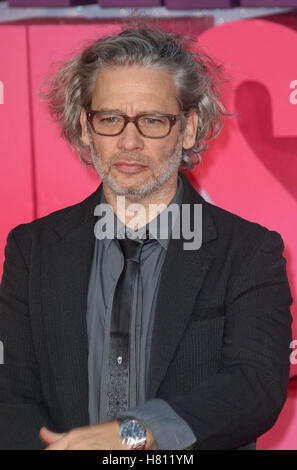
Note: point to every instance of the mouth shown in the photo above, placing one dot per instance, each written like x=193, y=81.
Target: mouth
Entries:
x=129, y=167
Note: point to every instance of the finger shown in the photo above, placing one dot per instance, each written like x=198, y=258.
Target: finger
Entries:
x=60, y=444
x=49, y=437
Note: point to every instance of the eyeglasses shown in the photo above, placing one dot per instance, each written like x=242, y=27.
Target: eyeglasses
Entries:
x=153, y=126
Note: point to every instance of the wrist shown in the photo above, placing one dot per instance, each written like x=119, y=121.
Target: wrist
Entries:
x=150, y=440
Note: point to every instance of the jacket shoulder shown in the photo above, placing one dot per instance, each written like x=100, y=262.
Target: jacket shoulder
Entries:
x=230, y=227
x=72, y=214
x=240, y=231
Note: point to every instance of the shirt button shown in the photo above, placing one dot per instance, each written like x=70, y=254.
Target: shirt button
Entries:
x=119, y=360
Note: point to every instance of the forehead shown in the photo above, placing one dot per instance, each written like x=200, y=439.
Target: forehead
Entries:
x=135, y=86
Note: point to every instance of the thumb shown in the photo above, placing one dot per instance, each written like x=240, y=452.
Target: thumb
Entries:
x=48, y=437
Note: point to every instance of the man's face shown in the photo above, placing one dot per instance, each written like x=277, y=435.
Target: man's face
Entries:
x=130, y=164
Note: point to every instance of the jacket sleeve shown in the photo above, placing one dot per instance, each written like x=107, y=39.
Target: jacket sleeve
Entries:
x=22, y=412
x=243, y=400
x=170, y=431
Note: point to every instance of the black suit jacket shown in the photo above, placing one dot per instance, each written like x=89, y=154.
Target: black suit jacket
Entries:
x=220, y=345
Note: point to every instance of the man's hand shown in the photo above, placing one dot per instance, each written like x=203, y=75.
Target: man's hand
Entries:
x=97, y=437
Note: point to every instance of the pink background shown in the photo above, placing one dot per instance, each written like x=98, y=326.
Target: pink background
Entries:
x=250, y=170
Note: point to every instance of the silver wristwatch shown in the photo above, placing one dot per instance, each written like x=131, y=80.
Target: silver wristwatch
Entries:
x=132, y=432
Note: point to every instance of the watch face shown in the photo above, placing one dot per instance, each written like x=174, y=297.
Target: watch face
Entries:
x=133, y=431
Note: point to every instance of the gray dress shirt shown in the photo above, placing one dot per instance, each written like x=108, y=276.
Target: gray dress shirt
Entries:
x=169, y=430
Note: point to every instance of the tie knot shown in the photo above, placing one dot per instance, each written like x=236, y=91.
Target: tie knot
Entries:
x=131, y=248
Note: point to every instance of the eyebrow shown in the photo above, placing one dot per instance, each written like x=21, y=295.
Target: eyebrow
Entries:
x=112, y=110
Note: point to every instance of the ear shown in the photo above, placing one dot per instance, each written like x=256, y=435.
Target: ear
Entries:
x=84, y=132
x=190, y=130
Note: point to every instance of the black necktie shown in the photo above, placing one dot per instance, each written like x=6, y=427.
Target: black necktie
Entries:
x=119, y=349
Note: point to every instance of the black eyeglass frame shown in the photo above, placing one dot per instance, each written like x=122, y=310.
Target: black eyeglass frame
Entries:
x=172, y=118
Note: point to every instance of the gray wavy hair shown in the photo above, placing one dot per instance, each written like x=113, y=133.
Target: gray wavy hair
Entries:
x=197, y=79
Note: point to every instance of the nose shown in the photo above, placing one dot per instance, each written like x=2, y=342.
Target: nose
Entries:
x=130, y=139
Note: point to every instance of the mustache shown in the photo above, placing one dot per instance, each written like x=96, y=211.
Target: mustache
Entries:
x=132, y=157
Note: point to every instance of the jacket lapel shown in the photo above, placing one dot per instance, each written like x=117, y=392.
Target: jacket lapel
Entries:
x=65, y=273
x=183, y=274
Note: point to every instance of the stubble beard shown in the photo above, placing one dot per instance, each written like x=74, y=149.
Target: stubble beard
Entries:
x=168, y=168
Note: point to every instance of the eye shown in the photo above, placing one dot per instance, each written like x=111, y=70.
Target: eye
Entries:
x=152, y=120
x=110, y=119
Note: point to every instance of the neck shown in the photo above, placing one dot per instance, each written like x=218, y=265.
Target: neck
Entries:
x=149, y=207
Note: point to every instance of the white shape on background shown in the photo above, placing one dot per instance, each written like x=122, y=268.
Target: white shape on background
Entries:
x=293, y=95
x=205, y=195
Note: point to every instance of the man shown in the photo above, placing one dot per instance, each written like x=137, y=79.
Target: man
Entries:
x=183, y=346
